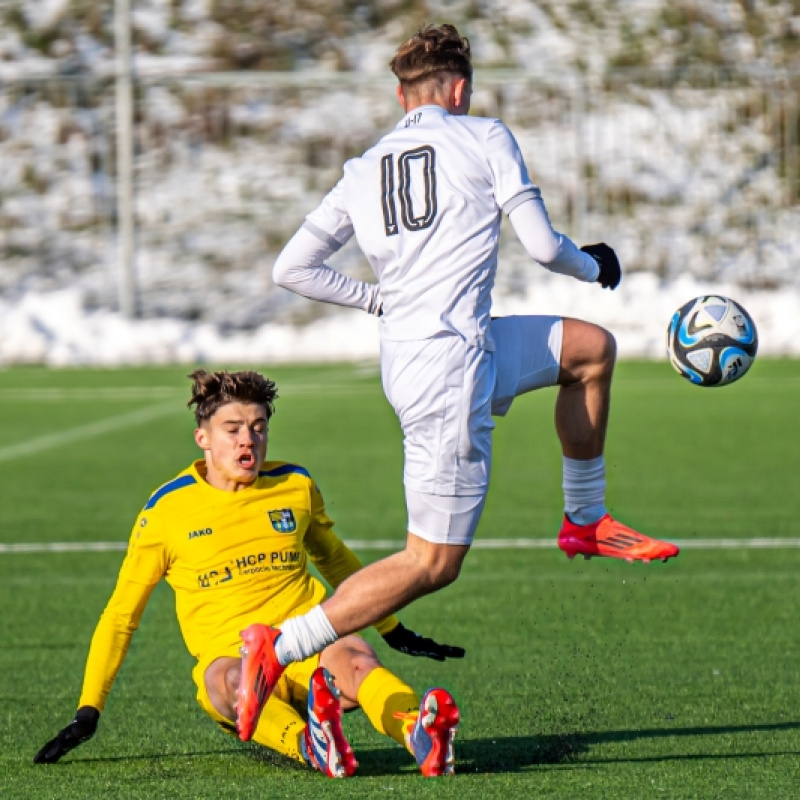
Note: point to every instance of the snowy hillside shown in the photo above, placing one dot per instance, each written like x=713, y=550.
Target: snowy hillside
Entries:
x=665, y=128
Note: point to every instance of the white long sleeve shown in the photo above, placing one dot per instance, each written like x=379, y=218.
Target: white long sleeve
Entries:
x=300, y=268
x=551, y=249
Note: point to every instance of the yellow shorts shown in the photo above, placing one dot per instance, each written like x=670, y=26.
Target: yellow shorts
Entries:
x=292, y=688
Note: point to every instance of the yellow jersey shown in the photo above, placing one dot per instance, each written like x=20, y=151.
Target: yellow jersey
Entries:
x=232, y=558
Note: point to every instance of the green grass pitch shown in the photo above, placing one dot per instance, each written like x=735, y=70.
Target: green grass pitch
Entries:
x=582, y=679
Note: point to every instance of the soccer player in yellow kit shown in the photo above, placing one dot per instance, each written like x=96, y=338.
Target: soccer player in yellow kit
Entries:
x=233, y=535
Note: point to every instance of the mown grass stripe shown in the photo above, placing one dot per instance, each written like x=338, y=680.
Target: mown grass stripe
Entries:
x=89, y=431
x=132, y=394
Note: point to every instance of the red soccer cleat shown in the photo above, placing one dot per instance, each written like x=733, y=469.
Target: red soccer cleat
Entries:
x=431, y=739
x=610, y=538
x=261, y=670
x=325, y=745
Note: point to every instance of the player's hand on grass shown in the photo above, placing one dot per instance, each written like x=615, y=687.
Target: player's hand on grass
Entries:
x=610, y=270
x=412, y=644
x=80, y=730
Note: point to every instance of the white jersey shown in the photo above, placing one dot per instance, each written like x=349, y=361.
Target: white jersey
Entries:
x=425, y=206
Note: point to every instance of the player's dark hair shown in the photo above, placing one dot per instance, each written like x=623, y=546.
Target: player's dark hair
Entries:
x=429, y=53
x=211, y=390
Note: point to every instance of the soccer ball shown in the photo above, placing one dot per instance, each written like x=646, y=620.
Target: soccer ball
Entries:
x=711, y=341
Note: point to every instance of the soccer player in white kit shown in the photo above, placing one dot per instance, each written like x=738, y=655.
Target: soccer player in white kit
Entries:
x=425, y=206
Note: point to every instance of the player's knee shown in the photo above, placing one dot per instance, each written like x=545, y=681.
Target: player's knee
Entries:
x=607, y=352
x=361, y=664
x=350, y=660
x=588, y=353
x=432, y=565
x=610, y=346
x=443, y=572
x=600, y=354
x=233, y=676
x=222, y=684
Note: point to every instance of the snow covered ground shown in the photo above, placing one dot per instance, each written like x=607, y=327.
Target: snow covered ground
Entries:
x=54, y=328
x=687, y=180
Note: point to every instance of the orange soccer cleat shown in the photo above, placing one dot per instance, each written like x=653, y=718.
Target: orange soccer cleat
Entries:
x=261, y=670
x=607, y=537
x=431, y=738
x=324, y=744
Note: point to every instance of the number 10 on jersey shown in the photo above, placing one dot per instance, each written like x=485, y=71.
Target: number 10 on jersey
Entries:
x=413, y=166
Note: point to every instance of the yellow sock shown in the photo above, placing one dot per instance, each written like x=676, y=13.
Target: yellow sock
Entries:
x=280, y=728
x=390, y=705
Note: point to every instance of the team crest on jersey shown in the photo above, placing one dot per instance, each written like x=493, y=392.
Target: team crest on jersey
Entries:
x=282, y=520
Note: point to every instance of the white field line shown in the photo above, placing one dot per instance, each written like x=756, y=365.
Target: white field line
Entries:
x=545, y=544
x=62, y=547
x=89, y=431
x=397, y=544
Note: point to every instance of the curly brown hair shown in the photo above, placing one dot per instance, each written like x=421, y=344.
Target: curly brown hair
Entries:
x=211, y=390
x=431, y=51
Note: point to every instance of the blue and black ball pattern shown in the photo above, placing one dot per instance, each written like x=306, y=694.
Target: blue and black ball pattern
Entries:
x=711, y=341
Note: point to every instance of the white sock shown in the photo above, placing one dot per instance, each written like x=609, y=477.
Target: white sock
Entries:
x=302, y=637
x=584, y=489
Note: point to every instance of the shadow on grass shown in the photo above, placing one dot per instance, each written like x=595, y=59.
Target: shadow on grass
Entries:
x=512, y=753
x=254, y=751
x=70, y=759
x=501, y=754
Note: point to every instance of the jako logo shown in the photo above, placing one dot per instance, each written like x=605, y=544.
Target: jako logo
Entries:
x=202, y=532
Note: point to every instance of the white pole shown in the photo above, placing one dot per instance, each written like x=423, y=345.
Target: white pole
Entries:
x=581, y=183
x=125, y=222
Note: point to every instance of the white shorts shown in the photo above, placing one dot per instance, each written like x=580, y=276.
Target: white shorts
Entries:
x=445, y=392
x=442, y=518
x=527, y=357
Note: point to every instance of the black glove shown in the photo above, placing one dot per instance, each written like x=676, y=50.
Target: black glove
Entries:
x=610, y=270
x=412, y=644
x=80, y=730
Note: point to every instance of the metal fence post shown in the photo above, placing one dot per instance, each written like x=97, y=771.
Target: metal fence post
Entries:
x=124, y=114
x=581, y=184
x=792, y=166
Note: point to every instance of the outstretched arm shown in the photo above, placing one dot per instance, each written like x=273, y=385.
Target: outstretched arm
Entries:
x=111, y=640
x=109, y=646
x=143, y=567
